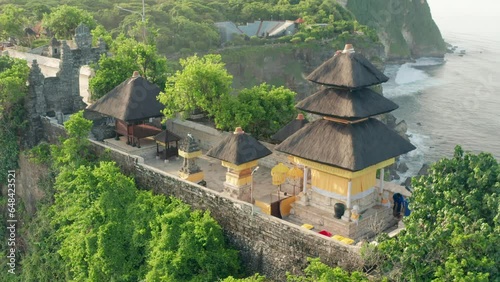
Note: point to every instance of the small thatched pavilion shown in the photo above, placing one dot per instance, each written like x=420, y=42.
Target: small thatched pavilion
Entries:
x=344, y=149
x=132, y=104
x=170, y=143
x=239, y=152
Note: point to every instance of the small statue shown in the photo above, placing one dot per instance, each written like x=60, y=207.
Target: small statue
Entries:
x=385, y=200
x=355, y=216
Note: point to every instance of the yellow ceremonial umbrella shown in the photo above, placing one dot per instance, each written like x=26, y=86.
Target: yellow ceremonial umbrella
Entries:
x=294, y=175
x=278, y=173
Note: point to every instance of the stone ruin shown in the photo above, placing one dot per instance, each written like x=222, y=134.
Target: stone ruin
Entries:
x=60, y=95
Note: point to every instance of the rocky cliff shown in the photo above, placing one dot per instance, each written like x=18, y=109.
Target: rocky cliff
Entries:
x=289, y=64
x=405, y=27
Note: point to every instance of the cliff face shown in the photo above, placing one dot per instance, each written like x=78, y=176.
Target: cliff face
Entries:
x=288, y=64
x=405, y=27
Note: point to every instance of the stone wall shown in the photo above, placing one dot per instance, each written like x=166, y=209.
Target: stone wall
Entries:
x=267, y=245
x=60, y=94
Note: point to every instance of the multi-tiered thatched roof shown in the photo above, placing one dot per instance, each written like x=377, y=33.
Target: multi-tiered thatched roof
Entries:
x=347, y=137
x=347, y=69
x=349, y=146
x=346, y=104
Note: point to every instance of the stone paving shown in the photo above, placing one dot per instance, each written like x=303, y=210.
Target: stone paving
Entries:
x=215, y=173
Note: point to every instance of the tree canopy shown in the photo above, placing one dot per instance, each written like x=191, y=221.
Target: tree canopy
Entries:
x=128, y=56
x=97, y=226
x=261, y=110
x=13, y=76
x=183, y=27
x=453, y=232
x=202, y=83
x=12, y=22
x=63, y=20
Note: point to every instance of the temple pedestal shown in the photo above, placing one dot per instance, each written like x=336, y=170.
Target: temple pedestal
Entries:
x=193, y=177
x=242, y=192
x=372, y=221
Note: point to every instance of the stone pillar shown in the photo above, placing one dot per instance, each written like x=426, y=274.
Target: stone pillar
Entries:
x=190, y=151
x=381, y=185
x=347, y=213
x=239, y=180
x=304, y=188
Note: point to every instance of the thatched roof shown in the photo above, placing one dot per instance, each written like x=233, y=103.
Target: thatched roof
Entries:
x=171, y=137
x=346, y=104
x=347, y=69
x=290, y=128
x=239, y=148
x=349, y=146
x=132, y=100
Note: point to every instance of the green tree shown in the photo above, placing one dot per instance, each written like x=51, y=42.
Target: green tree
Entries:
x=13, y=76
x=42, y=262
x=189, y=246
x=100, y=32
x=12, y=22
x=201, y=84
x=74, y=150
x=254, y=278
x=317, y=271
x=261, y=110
x=129, y=56
x=63, y=20
x=453, y=233
x=92, y=223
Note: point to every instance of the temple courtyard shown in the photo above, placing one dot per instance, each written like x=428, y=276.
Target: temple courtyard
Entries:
x=373, y=220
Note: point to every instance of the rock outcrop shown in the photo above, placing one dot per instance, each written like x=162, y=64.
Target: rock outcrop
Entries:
x=406, y=28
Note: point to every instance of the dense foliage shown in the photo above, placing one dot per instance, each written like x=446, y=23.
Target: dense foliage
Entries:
x=201, y=84
x=317, y=271
x=453, y=232
x=95, y=225
x=63, y=20
x=13, y=76
x=261, y=110
x=204, y=84
x=128, y=56
x=185, y=27
x=11, y=22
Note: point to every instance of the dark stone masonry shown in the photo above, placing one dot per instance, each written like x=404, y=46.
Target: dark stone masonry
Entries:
x=60, y=94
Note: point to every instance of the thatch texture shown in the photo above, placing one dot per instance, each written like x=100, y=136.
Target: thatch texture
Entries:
x=132, y=100
x=171, y=137
x=346, y=104
x=289, y=129
x=349, y=146
x=239, y=148
x=349, y=70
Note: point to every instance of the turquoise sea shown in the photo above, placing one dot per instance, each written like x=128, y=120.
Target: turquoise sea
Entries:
x=455, y=100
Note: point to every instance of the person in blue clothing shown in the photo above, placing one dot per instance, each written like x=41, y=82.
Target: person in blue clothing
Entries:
x=400, y=207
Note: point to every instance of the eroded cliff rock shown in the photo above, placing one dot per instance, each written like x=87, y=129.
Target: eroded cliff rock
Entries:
x=405, y=27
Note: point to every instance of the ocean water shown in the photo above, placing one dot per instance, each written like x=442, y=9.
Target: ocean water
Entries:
x=455, y=100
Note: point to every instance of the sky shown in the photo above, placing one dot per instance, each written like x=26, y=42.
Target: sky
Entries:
x=465, y=16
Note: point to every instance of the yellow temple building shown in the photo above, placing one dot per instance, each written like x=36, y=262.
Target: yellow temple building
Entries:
x=343, y=150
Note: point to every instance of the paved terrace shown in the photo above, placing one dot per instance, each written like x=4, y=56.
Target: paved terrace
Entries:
x=215, y=175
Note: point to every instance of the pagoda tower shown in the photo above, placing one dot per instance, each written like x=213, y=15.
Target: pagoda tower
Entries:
x=344, y=149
